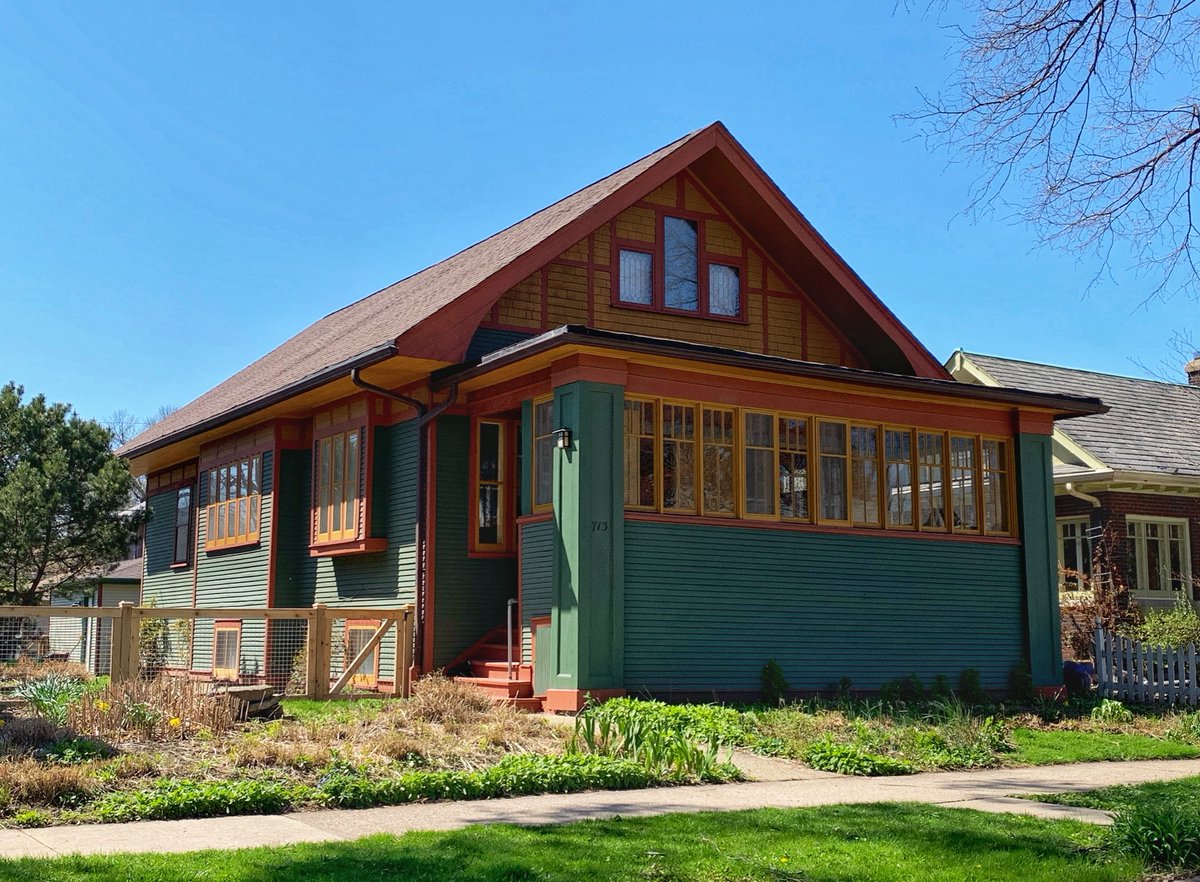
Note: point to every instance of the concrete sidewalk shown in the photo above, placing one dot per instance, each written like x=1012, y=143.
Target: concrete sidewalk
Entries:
x=780, y=784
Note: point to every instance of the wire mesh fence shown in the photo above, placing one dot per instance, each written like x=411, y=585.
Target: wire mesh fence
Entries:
x=315, y=652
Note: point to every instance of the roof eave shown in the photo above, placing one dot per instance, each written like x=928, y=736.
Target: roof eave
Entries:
x=313, y=381
x=1063, y=406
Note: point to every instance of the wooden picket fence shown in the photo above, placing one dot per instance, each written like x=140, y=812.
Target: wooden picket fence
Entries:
x=1130, y=671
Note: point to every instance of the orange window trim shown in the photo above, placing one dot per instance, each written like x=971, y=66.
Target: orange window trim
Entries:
x=226, y=672
x=340, y=485
x=539, y=461
x=506, y=489
x=367, y=627
x=233, y=511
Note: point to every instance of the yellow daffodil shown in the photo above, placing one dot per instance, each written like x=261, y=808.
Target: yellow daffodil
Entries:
x=102, y=706
x=174, y=722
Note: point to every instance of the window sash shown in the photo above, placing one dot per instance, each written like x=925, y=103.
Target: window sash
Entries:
x=227, y=641
x=833, y=488
x=234, y=503
x=794, y=483
x=339, y=478
x=543, y=454
x=640, y=447
x=1074, y=554
x=718, y=468
x=761, y=470
x=899, y=456
x=678, y=457
x=181, y=553
x=491, y=487
x=1159, y=556
x=864, y=475
x=681, y=263
x=357, y=636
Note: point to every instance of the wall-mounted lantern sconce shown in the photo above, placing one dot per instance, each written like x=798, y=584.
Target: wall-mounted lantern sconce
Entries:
x=562, y=438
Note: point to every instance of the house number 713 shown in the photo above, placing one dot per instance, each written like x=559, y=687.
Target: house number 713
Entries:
x=599, y=526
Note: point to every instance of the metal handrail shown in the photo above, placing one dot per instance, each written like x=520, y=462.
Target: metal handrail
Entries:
x=511, y=603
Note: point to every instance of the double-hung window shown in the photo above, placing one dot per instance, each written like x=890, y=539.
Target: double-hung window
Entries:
x=338, y=484
x=1159, y=556
x=234, y=503
x=183, y=526
x=543, y=454
x=1074, y=554
x=492, y=491
x=898, y=453
x=640, y=455
x=834, y=462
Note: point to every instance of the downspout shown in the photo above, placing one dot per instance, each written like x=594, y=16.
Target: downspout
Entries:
x=425, y=416
x=1079, y=494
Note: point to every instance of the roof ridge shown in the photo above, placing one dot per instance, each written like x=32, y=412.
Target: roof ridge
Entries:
x=1076, y=370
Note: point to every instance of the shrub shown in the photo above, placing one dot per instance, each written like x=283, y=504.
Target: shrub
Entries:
x=970, y=690
x=1175, y=627
x=1166, y=835
x=1111, y=712
x=774, y=685
x=1020, y=684
x=827, y=755
x=52, y=696
x=1186, y=727
x=904, y=690
x=941, y=688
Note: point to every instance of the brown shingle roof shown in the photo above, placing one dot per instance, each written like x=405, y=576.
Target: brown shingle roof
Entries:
x=376, y=321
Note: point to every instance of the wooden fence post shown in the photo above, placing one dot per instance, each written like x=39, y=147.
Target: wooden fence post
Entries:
x=404, y=653
x=318, y=653
x=121, y=664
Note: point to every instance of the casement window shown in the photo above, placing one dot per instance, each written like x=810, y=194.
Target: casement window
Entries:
x=759, y=457
x=227, y=643
x=793, y=468
x=1074, y=554
x=678, y=457
x=492, y=492
x=834, y=464
x=234, y=503
x=183, y=527
x=640, y=454
x=964, y=482
x=722, y=461
x=864, y=475
x=338, y=485
x=358, y=635
x=543, y=454
x=1159, y=556
x=690, y=283
x=931, y=486
x=898, y=458
x=719, y=497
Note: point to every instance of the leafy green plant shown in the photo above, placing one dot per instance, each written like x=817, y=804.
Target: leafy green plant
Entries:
x=77, y=750
x=941, y=688
x=970, y=690
x=1186, y=727
x=52, y=696
x=1111, y=712
x=903, y=690
x=171, y=798
x=849, y=759
x=1175, y=627
x=31, y=818
x=1165, y=834
x=774, y=685
x=1020, y=684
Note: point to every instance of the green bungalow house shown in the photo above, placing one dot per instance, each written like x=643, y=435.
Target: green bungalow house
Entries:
x=664, y=419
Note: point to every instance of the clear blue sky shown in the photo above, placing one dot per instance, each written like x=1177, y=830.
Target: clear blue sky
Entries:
x=184, y=186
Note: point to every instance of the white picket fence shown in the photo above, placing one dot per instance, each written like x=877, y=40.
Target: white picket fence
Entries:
x=1130, y=671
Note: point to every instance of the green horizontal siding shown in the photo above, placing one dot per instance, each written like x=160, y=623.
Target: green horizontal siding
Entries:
x=162, y=584
x=706, y=607
x=537, y=578
x=488, y=340
x=470, y=593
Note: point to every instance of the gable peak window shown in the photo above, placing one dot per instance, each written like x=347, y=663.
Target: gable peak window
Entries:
x=677, y=274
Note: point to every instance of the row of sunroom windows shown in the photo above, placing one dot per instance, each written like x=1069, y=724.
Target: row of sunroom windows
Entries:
x=711, y=460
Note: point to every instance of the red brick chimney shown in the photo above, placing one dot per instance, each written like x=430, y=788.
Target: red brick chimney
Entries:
x=1192, y=369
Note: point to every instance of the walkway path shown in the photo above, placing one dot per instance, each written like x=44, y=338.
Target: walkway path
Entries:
x=780, y=784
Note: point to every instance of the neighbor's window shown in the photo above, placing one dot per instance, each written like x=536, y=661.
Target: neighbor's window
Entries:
x=793, y=468
x=864, y=474
x=995, y=485
x=234, y=502
x=1159, y=558
x=964, y=482
x=1074, y=554
x=931, y=470
x=679, y=457
x=491, y=486
x=358, y=636
x=717, y=432
x=639, y=454
x=338, y=485
x=681, y=289
x=543, y=453
x=183, y=526
x=834, y=505
x=898, y=476
x=227, y=639
x=759, y=458
x=636, y=283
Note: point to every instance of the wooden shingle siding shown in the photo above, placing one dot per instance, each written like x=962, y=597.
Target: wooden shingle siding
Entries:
x=469, y=593
x=576, y=288
x=537, y=575
x=167, y=586
x=706, y=607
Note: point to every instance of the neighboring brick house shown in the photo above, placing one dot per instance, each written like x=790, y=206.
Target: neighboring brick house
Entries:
x=1134, y=470
x=662, y=417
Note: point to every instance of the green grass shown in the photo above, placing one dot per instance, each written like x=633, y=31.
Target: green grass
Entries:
x=339, y=711
x=1131, y=796
x=878, y=843
x=1040, y=748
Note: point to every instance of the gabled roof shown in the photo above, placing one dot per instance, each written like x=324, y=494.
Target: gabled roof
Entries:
x=1151, y=426
x=432, y=314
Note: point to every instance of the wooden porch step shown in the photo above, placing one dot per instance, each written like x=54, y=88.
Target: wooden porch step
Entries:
x=500, y=689
x=495, y=652
x=498, y=670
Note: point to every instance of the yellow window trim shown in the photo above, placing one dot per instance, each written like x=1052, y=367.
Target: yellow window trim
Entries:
x=534, y=505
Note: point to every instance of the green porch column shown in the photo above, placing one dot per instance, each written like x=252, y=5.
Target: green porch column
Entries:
x=1035, y=501
x=587, y=630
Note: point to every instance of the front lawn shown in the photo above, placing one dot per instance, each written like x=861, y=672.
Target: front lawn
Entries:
x=1041, y=747
x=1132, y=796
x=880, y=843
